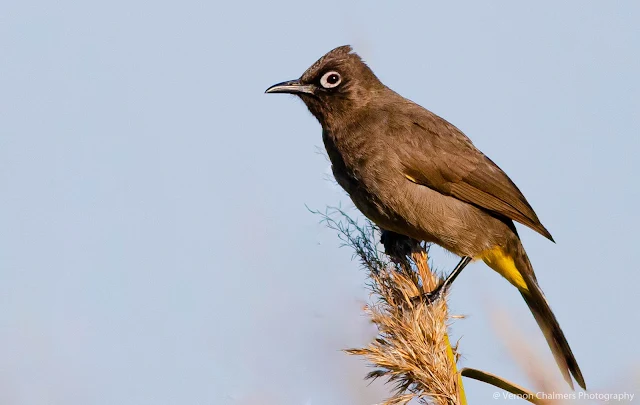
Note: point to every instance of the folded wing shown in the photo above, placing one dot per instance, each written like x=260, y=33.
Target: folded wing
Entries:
x=444, y=159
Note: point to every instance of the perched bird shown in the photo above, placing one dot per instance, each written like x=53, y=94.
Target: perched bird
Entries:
x=415, y=174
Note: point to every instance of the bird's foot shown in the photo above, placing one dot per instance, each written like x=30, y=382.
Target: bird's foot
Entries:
x=436, y=293
x=431, y=296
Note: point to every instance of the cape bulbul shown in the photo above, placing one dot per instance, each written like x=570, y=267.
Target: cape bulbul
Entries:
x=413, y=173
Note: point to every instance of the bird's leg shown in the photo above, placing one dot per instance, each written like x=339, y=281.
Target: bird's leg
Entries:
x=434, y=294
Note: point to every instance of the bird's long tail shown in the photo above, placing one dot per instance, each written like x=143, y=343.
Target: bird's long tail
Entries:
x=517, y=269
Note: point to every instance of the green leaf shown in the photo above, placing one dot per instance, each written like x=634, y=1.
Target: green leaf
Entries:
x=501, y=383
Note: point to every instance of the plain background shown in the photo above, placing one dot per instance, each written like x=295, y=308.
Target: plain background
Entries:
x=155, y=246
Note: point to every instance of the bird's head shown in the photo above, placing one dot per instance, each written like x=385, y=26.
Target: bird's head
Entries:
x=334, y=87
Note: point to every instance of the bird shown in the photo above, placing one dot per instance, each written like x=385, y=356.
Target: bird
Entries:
x=414, y=174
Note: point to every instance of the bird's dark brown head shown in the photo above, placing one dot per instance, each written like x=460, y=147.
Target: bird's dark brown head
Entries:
x=337, y=85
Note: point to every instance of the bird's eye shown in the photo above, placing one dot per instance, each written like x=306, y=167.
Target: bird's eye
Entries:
x=330, y=80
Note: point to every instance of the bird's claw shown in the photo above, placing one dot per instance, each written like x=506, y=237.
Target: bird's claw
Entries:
x=429, y=297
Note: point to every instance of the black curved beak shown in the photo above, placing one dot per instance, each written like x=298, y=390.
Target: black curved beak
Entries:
x=291, y=87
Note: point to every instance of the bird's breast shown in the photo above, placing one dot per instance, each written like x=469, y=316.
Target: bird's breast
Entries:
x=351, y=161
x=363, y=170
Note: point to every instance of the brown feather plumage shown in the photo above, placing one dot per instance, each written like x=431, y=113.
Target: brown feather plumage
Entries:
x=414, y=173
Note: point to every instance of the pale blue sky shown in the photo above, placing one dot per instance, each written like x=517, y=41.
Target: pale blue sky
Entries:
x=155, y=245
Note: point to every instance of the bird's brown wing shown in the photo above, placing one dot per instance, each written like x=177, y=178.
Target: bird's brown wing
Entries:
x=442, y=158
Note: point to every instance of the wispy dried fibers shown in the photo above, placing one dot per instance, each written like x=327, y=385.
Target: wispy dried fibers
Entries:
x=412, y=350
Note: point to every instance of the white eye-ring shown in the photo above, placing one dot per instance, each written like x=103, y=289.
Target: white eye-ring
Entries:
x=330, y=80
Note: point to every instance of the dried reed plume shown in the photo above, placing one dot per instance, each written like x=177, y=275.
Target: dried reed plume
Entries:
x=412, y=350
